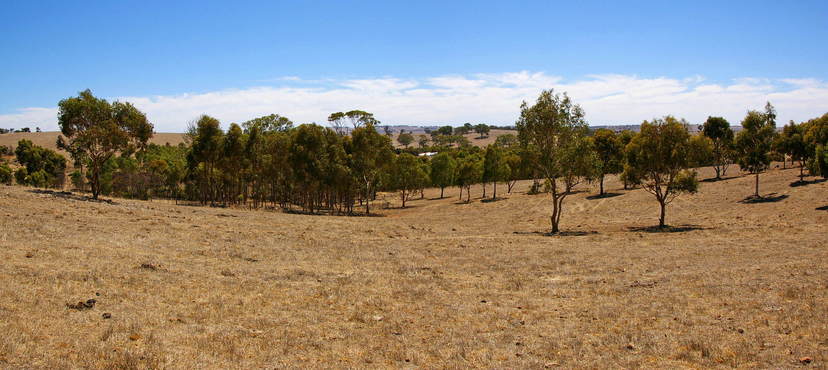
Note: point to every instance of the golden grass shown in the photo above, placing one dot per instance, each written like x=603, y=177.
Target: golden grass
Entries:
x=435, y=285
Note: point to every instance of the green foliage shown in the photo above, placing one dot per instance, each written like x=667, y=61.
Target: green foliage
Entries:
x=659, y=156
x=442, y=131
x=422, y=141
x=506, y=140
x=273, y=122
x=821, y=161
x=405, y=138
x=610, y=153
x=702, y=152
x=482, y=129
x=44, y=167
x=469, y=172
x=96, y=129
x=21, y=176
x=554, y=133
x=370, y=153
x=409, y=176
x=5, y=174
x=495, y=168
x=443, y=168
x=754, y=142
x=718, y=130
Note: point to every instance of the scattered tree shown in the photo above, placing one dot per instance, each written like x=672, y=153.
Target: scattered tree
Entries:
x=405, y=138
x=443, y=168
x=754, y=142
x=610, y=154
x=100, y=129
x=718, y=130
x=555, y=130
x=660, y=155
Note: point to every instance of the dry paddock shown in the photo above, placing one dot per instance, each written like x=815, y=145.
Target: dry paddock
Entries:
x=439, y=284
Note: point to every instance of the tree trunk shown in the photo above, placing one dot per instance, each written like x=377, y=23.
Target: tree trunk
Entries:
x=718, y=169
x=367, y=201
x=601, y=182
x=494, y=192
x=661, y=217
x=95, y=184
x=757, y=185
x=484, y=190
x=441, y=192
x=801, y=173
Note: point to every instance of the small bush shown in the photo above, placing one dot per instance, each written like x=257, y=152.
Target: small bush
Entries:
x=5, y=174
x=21, y=176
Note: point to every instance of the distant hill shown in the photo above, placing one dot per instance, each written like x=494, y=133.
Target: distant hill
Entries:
x=49, y=139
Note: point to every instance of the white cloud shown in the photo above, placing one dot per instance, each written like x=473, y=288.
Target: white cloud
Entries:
x=491, y=98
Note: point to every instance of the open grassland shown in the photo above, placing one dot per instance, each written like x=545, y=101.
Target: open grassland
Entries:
x=49, y=139
x=439, y=284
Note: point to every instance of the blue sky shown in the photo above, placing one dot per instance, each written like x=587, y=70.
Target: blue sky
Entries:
x=168, y=52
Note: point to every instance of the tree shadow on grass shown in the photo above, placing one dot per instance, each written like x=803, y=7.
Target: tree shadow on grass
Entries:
x=560, y=233
x=605, y=195
x=713, y=179
x=823, y=208
x=667, y=228
x=71, y=196
x=326, y=212
x=489, y=200
x=804, y=183
x=770, y=198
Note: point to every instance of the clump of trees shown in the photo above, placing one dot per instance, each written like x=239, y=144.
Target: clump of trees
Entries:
x=41, y=167
x=270, y=162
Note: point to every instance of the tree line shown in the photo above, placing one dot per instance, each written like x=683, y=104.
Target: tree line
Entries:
x=340, y=169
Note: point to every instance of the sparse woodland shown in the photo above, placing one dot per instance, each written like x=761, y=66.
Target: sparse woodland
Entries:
x=269, y=162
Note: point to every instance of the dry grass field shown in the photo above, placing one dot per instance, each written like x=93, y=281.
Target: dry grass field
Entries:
x=49, y=139
x=436, y=285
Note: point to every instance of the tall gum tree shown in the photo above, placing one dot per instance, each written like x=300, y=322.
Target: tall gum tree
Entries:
x=96, y=129
x=754, y=142
x=555, y=132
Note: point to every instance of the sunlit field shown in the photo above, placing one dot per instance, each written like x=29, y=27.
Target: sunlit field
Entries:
x=440, y=283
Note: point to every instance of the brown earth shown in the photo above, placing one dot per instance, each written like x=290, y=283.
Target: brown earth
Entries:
x=439, y=284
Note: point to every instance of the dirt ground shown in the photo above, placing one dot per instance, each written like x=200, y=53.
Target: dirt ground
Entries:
x=439, y=284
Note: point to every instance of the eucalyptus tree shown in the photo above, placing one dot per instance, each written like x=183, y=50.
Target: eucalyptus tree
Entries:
x=405, y=138
x=205, y=155
x=659, y=154
x=554, y=130
x=370, y=153
x=610, y=153
x=97, y=129
x=754, y=142
x=409, y=176
x=718, y=130
x=443, y=168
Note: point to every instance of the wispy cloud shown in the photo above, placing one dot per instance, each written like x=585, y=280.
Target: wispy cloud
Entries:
x=491, y=98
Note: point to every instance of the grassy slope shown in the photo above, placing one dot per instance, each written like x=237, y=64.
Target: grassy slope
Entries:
x=439, y=284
